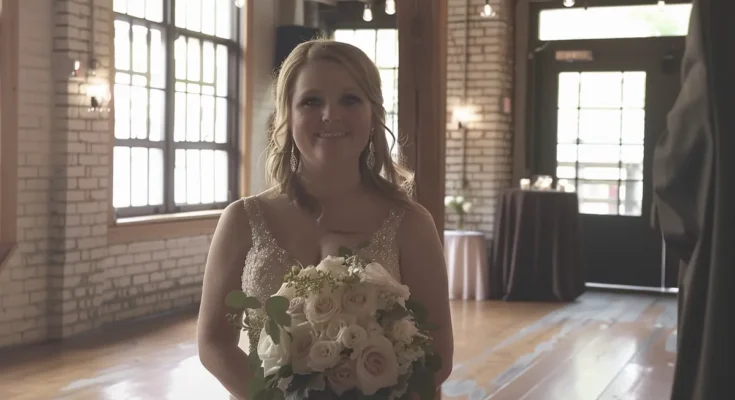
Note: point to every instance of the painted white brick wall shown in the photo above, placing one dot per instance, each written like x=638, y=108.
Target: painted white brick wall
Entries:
x=65, y=278
x=488, y=58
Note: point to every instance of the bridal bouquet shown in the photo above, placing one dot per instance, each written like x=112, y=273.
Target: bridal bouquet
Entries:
x=344, y=329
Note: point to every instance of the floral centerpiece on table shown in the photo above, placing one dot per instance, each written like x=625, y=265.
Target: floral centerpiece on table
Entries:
x=345, y=329
x=460, y=205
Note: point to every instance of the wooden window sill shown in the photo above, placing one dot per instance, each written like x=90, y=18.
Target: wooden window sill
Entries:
x=140, y=229
x=6, y=250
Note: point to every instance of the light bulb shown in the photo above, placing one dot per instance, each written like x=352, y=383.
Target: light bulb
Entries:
x=367, y=14
x=239, y=3
x=487, y=10
x=568, y=3
x=661, y=4
x=390, y=7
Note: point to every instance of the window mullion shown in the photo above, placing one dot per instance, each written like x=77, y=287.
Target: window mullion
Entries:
x=169, y=151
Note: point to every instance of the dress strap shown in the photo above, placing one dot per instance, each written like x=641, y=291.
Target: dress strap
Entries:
x=387, y=232
x=258, y=229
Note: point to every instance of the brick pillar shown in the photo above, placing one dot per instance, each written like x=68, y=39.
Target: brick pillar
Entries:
x=480, y=74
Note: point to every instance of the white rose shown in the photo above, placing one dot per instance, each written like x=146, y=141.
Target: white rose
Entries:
x=296, y=309
x=377, y=366
x=448, y=200
x=321, y=307
x=302, y=338
x=335, y=325
x=377, y=275
x=466, y=207
x=324, y=354
x=404, y=331
x=334, y=266
x=343, y=377
x=352, y=336
x=274, y=356
x=360, y=300
x=373, y=328
x=286, y=291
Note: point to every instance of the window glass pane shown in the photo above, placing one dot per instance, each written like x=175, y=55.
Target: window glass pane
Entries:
x=140, y=80
x=220, y=127
x=194, y=59
x=568, y=90
x=209, y=90
x=122, y=45
x=180, y=13
x=208, y=61
x=193, y=177
x=180, y=117
x=596, y=153
x=139, y=169
x=599, y=126
x=121, y=77
x=387, y=51
x=224, y=18
x=631, y=171
x=158, y=59
x=599, y=172
x=180, y=56
x=598, y=197
x=649, y=20
x=365, y=40
x=208, y=18
x=601, y=89
x=121, y=177
x=207, y=175
x=221, y=176
x=157, y=113
x=567, y=121
x=140, y=49
x=139, y=111
x=631, y=154
x=634, y=89
x=155, y=177
x=345, y=35
x=631, y=198
x=566, y=171
x=566, y=153
x=634, y=125
x=193, y=15
x=180, y=176
x=207, y=118
x=193, y=121
x=120, y=6
x=388, y=80
x=154, y=10
x=222, y=70
x=136, y=8
x=122, y=111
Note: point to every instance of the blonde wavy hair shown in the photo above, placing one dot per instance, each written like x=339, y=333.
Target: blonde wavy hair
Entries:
x=388, y=177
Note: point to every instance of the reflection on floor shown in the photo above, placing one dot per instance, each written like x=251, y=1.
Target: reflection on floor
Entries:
x=603, y=346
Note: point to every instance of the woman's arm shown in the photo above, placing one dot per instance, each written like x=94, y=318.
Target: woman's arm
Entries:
x=423, y=270
x=217, y=339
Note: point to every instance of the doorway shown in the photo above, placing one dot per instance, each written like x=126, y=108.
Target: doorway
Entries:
x=599, y=106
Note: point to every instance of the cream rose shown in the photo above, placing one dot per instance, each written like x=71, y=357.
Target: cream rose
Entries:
x=296, y=309
x=377, y=366
x=342, y=377
x=377, y=275
x=321, y=307
x=335, y=325
x=352, y=336
x=286, y=291
x=274, y=356
x=373, y=328
x=334, y=266
x=324, y=354
x=302, y=338
x=404, y=330
x=360, y=300
x=307, y=272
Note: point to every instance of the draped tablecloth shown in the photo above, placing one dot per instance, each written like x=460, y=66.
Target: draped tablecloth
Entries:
x=467, y=267
x=536, y=253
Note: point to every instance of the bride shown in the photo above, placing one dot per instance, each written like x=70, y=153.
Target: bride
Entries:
x=334, y=184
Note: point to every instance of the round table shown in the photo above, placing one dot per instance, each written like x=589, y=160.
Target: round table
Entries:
x=467, y=264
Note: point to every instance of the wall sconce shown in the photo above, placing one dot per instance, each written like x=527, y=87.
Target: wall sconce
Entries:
x=568, y=3
x=390, y=7
x=98, y=94
x=367, y=13
x=487, y=10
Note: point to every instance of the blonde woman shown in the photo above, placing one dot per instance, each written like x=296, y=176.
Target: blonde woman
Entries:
x=334, y=184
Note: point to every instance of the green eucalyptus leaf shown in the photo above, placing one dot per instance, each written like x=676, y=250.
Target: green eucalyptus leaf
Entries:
x=419, y=310
x=285, y=371
x=239, y=300
x=275, y=394
x=345, y=252
x=276, y=305
x=254, y=361
x=283, y=319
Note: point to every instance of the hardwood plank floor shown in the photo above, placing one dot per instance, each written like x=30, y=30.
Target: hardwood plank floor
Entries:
x=604, y=346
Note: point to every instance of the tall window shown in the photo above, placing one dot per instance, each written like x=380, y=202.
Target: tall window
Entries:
x=381, y=45
x=175, y=99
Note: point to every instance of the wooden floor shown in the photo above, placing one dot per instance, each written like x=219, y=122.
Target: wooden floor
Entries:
x=604, y=346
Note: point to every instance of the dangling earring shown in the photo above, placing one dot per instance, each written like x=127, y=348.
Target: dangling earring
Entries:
x=370, y=160
x=294, y=161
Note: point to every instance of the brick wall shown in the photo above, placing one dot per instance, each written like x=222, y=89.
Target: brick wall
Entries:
x=65, y=278
x=479, y=75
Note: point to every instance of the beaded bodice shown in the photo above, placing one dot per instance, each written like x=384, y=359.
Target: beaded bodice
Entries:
x=267, y=262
